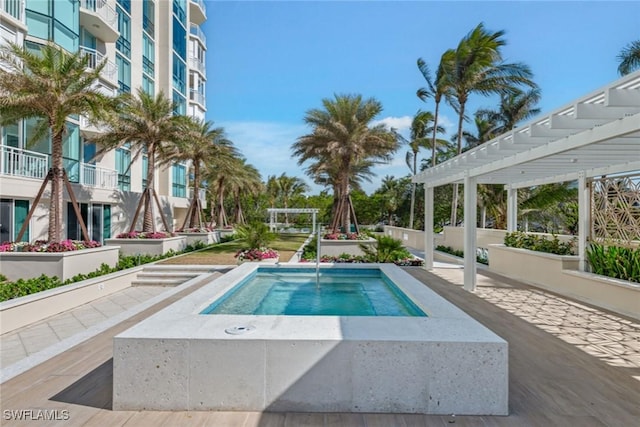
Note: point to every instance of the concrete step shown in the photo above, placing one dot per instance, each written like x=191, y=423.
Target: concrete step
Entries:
x=167, y=274
x=158, y=282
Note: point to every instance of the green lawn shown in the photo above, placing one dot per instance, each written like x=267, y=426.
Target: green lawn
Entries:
x=223, y=253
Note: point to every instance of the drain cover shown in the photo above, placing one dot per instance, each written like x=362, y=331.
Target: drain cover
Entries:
x=238, y=330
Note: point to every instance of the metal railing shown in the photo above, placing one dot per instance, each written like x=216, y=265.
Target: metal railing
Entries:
x=95, y=58
x=106, y=12
x=195, y=30
x=197, y=64
x=198, y=97
x=19, y=162
x=99, y=177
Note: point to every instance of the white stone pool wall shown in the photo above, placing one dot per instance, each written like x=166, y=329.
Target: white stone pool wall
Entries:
x=446, y=363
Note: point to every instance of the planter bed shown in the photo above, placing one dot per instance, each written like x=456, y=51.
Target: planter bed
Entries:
x=149, y=246
x=64, y=265
x=208, y=238
x=19, y=312
x=337, y=247
x=559, y=274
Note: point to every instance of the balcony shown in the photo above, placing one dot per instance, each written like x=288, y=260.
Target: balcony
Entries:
x=14, y=8
x=23, y=163
x=197, y=97
x=100, y=19
x=198, y=65
x=197, y=11
x=109, y=72
x=89, y=129
x=195, y=31
x=98, y=177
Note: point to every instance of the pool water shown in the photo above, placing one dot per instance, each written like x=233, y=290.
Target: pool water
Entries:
x=293, y=292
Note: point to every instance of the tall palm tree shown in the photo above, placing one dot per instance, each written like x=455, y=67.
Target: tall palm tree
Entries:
x=392, y=192
x=49, y=85
x=476, y=66
x=218, y=174
x=203, y=142
x=514, y=108
x=342, y=140
x=629, y=58
x=437, y=89
x=421, y=127
x=148, y=125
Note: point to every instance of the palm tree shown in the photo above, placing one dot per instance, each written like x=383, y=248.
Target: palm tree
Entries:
x=392, y=192
x=629, y=58
x=342, y=142
x=219, y=172
x=246, y=180
x=290, y=186
x=476, y=66
x=437, y=89
x=148, y=125
x=420, y=129
x=203, y=142
x=514, y=108
x=50, y=85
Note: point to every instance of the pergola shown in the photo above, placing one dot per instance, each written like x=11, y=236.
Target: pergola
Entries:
x=273, y=213
x=597, y=134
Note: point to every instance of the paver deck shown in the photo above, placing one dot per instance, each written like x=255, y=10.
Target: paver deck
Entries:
x=570, y=365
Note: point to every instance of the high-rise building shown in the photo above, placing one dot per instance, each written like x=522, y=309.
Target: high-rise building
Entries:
x=156, y=45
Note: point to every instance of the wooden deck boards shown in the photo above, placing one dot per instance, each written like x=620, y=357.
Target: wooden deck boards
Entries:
x=552, y=382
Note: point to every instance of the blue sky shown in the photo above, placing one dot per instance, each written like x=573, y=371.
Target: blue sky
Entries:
x=268, y=62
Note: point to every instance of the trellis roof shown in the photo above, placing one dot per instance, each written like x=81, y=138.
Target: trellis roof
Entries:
x=597, y=134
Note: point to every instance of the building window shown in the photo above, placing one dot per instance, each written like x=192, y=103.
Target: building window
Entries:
x=179, y=185
x=13, y=214
x=179, y=75
x=179, y=39
x=11, y=135
x=180, y=10
x=181, y=104
x=125, y=4
x=148, y=17
x=148, y=85
x=71, y=148
x=124, y=74
x=145, y=170
x=123, y=162
x=148, y=55
x=56, y=21
x=96, y=217
x=123, y=44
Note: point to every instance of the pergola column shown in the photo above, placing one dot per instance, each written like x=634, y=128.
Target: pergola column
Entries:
x=428, y=227
x=313, y=215
x=470, y=230
x=584, y=223
x=512, y=209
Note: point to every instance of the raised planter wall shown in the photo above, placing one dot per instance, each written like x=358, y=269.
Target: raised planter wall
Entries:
x=338, y=247
x=206, y=238
x=560, y=274
x=148, y=246
x=26, y=310
x=65, y=265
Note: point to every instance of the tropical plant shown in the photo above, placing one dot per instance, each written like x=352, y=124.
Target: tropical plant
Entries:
x=629, y=58
x=344, y=144
x=256, y=235
x=146, y=124
x=288, y=187
x=203, y=142
x=387, y=249
x=50, y=85
x=245, y=181
x=614, y=261
x=518, y=239
x=514, y=108
x=476, y=66
x=218, y=174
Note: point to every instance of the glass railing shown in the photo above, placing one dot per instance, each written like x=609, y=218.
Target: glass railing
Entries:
x=198, y=97
x=197, y=64
x=18, y=162
x=14, y=8
x=201, y=4
x=195, y=30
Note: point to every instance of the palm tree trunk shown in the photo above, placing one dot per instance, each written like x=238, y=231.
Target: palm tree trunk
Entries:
x=454, y=200
x=222, y=217
x=55, y=213
x=435, y=129
x=147, y=222
x=194, y=219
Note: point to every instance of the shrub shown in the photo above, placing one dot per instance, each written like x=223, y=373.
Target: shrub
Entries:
x=482, y=255
x=44, y=246
x=145, y=235
x=614, y=261
x=256, y=254
x=256, y=234
x=346, y=236
x=521, y=240
x=387, y=249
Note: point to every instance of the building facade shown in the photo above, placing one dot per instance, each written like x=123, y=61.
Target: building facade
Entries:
x=156, y=45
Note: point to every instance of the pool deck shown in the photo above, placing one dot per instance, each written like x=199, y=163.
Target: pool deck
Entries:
x=569, y=364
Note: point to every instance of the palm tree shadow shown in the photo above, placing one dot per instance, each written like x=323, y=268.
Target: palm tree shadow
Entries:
x=94, y=389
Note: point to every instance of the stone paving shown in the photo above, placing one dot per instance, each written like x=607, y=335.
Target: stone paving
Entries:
x=21, y=343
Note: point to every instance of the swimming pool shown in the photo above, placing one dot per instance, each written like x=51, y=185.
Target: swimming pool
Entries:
x=294, y=292
x=442, y=363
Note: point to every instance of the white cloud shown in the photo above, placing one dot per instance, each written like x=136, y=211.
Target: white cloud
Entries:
x=400, y=124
